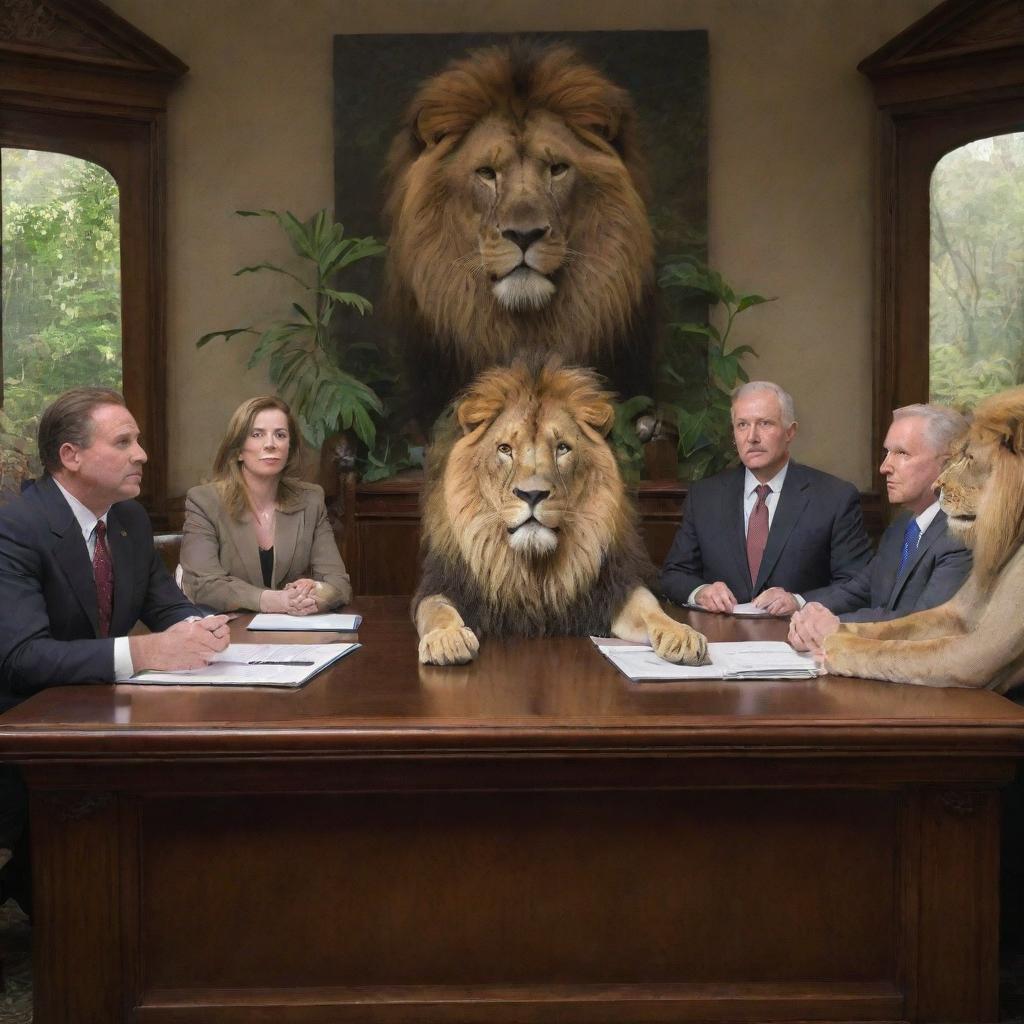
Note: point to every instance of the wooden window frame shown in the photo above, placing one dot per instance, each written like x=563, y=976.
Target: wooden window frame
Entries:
x=78, y=79
x=952, y=77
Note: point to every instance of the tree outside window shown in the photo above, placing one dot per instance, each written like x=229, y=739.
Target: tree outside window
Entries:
x=61, y=292
x=977, y=271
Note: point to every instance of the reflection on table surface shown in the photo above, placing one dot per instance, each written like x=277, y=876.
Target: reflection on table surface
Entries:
x=541, y=684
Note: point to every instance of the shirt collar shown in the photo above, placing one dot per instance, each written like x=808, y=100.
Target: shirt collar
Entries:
x=750, y=482
x=87, y=519
x=925, y=519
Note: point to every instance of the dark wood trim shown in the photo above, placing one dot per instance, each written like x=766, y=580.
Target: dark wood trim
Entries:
x=954, y=76
x=78, y=79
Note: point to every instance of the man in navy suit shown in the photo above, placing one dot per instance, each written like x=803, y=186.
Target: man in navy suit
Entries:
x=771, y=532
x=918, y=565
x=77, y=564
x=77, y=571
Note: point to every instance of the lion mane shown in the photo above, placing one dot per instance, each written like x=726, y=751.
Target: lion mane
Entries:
x=527, y=527
x=976, y=639
x=517, y=220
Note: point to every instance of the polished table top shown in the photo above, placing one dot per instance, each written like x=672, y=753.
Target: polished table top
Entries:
x=555, y=693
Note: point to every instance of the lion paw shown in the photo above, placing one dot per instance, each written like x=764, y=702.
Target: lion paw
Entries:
x=452, y=645
x=675, y=642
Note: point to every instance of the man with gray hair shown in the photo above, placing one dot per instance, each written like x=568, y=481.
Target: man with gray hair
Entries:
x=918, y=565
x=770, y=532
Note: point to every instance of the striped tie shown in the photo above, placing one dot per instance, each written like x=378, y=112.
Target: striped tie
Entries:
x=757, y=532
x=103, y=573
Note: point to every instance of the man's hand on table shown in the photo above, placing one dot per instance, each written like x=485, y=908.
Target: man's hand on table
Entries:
x=810, y=626
x=777, y=601
x=185, y=645
x=715, y=597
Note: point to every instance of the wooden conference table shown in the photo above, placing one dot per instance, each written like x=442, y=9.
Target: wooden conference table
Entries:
x=528, y=839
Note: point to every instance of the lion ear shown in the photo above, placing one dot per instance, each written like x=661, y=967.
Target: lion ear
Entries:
x=1013, y=436
x=477, y=411
x=596, y=414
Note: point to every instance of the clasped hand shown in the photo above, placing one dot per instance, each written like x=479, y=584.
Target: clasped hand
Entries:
x=811, y=626
x=184, y=645
x=717, y=597
x=295, y=598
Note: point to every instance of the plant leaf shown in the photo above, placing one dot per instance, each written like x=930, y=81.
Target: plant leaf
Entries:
x=226, y=335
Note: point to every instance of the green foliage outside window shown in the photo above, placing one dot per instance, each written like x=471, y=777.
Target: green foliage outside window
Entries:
x=977, y=271
x=61, y=289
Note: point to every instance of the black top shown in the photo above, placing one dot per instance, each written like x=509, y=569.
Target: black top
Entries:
x=267, y=565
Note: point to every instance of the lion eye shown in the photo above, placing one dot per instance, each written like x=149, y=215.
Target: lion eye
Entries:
x=487, y=173
x=562, y=448
x=557, y=170
x=505, y=449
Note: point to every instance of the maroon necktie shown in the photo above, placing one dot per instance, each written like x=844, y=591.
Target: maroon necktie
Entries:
x=103, y=573
x=757, y=531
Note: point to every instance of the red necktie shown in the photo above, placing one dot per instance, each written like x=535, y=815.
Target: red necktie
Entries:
x=103, y=573
x=757, y=531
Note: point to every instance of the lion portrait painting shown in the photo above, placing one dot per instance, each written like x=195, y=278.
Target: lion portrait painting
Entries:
x=976, y=639
x=527, y=529
x=518, y=222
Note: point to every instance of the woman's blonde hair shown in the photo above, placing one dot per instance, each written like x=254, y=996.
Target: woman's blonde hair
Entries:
x=227, y=472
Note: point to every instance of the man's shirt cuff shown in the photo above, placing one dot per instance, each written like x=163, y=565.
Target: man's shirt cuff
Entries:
x=123, y=667
x=692, y=599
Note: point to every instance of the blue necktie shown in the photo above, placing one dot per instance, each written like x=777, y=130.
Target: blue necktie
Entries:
x=911, y=535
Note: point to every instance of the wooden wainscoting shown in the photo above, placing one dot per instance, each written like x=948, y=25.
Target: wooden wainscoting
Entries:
x=378, y=527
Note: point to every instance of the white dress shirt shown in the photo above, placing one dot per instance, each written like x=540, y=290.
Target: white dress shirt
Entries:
x=87, y=520
x=925, y=519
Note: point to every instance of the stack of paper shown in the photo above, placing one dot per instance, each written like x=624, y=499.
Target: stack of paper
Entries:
x=751, y=660
x=287, y=665
x=330, y=622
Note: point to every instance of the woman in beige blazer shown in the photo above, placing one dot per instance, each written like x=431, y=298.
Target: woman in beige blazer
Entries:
x=257, y=538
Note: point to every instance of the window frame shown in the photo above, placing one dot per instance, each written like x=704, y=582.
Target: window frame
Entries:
x=954, y=76
x=79, y=80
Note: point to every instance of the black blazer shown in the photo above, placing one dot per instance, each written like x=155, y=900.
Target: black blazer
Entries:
x=816, y=539
x=933, y=574
x=49, y=625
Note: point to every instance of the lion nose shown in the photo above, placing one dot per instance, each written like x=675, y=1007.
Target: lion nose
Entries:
x=524, y=239
x=532, y=498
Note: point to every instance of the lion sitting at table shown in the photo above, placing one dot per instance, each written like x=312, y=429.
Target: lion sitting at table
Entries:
x=977, y=638
x=527, y=529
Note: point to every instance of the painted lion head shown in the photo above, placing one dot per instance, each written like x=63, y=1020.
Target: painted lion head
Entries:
x=529, y=498
x=517, y=222
x=983, y=485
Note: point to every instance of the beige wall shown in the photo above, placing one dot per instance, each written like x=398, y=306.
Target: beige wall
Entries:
x=790, y=178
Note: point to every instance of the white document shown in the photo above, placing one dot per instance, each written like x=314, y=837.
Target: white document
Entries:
x=748, y=660
x=748, y=609
x=287, y=665
x=327, y=623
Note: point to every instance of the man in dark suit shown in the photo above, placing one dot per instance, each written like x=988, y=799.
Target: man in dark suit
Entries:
x=77, y=563
x=771, y=532
x=77, y=571
x=918, y=564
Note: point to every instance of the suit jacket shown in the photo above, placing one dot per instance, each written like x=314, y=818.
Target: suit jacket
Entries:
x=816, y=538
x=933, y=574
x=49, y=629
x=220, y=556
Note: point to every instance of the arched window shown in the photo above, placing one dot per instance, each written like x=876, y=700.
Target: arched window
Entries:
x=976, y=285
x=78, y=80
x=61, y=286
x=949, y=81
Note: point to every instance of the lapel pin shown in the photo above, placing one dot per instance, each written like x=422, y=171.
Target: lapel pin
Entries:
x=124, y=533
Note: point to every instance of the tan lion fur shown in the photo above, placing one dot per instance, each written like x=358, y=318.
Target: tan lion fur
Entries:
x=501, y=560
x=976, y=639
x=560, y=141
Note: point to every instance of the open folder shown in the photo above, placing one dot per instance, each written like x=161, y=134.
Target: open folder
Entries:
x=286, y=665
x=749, y=660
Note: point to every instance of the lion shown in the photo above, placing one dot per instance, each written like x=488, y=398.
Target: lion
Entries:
x=976, y=639
x=527, y=529
x=517, y=220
